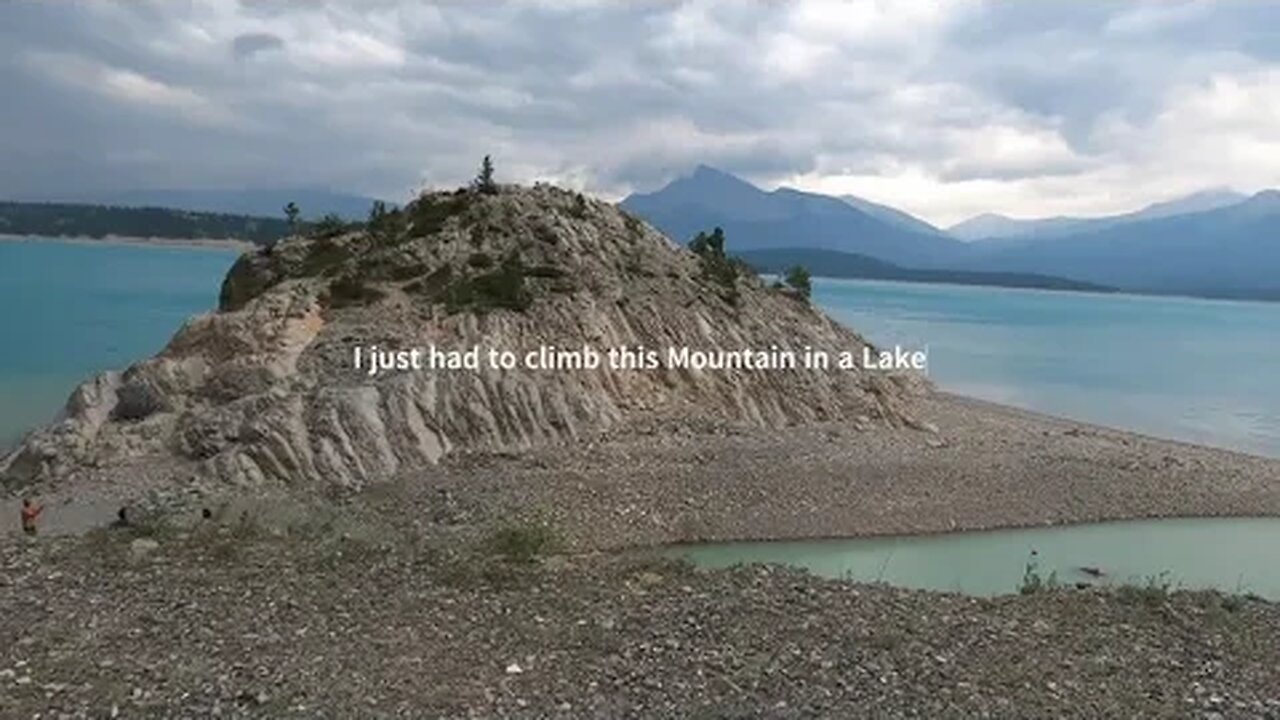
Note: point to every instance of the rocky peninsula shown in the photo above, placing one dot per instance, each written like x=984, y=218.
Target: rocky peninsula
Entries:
x=306, y=539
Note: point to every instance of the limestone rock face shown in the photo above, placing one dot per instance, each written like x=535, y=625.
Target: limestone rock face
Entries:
x=264, y=390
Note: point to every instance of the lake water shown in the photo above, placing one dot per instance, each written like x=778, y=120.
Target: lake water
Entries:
x=1233, y=555
x=69, y=310
x=1204, y=371
x=1197, y=370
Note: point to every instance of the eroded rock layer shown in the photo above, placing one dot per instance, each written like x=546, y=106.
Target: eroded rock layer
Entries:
x=263, y=390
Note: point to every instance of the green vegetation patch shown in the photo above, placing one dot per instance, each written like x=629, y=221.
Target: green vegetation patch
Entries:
x=524, y=542
x=331, y=226
x=502, y=287
x=350, y=290
x=322, y=257
x=429, y=213
x=386, y=226
x=797, y=278
x=433, y=284
x=718, y=267
x=248, y=278
x=384, y=268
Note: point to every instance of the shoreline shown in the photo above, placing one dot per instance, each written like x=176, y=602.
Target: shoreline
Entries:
x=127, y=241
x=1118, y=292
x=370, y=591
x=990, y=467
x=943, y=533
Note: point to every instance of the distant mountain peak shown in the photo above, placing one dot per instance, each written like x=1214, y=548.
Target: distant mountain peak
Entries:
x=707, y=175
x=754, y=219
x=703, y=171
x=891, y=215
x=1199, y=201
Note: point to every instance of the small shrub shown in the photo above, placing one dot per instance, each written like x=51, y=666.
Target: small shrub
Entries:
x=523, y=542
x=717, y=267
x=385, y=226
x=797, y=278
x=500, y=288
x=323, y=256
x=329, y=226
x=432, y=286
x=479, y=260
x=350, y=290
x=429, y=213
x=1032, y=581
x=373, y=267
x=1153, y=593
x=149, y=525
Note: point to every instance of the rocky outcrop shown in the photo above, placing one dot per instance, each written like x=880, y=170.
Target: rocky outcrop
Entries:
x=264, y=391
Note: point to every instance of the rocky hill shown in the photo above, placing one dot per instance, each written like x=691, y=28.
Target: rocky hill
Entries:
x=264, y=391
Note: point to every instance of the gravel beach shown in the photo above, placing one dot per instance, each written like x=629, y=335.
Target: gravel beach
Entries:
x=220, y=625
x=976, y=466
x=394, y=602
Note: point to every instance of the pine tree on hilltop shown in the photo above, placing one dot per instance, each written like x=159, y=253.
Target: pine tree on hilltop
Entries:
x=484, y=181
x=291, y=214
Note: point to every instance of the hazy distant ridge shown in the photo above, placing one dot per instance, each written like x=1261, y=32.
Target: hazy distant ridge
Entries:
x=312, y=203
x=1213, y=243
x=991, y=226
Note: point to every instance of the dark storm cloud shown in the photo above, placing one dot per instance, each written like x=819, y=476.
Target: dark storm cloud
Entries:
x=248, y=44
x=383, y=96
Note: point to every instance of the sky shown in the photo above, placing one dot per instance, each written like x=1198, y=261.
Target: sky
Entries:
x=945, y=109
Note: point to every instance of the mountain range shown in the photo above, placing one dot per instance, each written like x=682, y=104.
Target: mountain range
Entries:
x=1215, y=243
x=755, y=219
x=990, y=226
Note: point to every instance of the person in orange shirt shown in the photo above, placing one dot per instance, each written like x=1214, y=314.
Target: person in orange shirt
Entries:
x=30, y=511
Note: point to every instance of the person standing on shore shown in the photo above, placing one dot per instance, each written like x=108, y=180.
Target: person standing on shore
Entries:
x=30, y=512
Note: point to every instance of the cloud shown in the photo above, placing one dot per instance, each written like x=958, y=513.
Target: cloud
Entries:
x=129, y=88
x=943, y=107
x=251, y=43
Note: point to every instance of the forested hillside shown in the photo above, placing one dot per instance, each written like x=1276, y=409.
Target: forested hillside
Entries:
x=97, y=221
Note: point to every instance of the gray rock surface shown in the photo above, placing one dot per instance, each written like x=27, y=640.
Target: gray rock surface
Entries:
x=263, y=392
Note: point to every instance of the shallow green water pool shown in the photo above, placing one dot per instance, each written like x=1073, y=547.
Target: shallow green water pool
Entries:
x=1233, y=555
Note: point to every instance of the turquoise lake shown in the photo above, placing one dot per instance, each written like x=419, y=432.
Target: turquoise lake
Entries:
x=1203, y=371
x=1197, y=370
x=69, y=310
